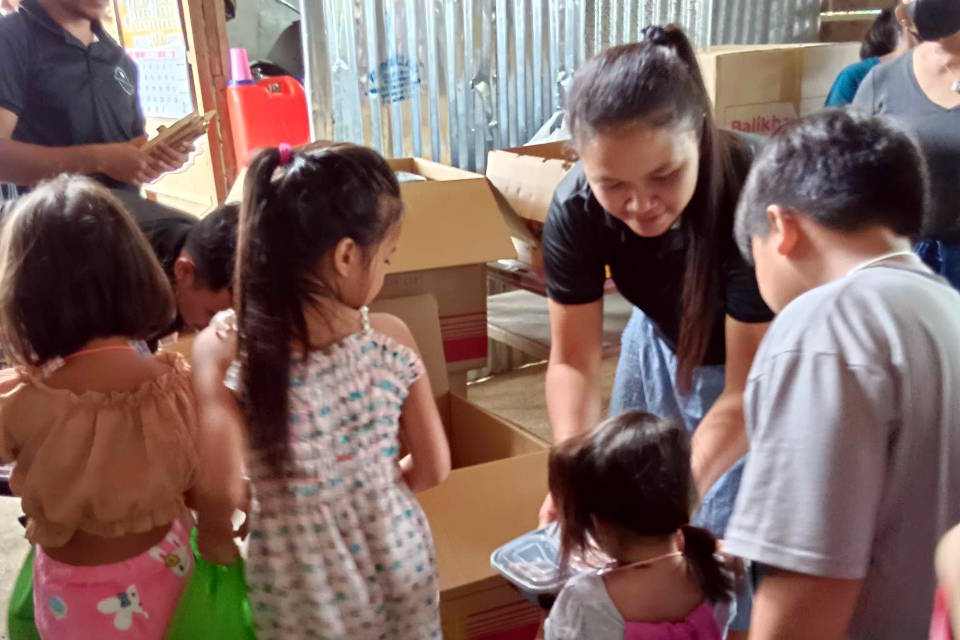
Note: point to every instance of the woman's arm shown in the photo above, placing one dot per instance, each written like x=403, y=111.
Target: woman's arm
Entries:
x=421, y=429
x=721, y=439
x=573, y=398
x=576, y=349
x=220, y=488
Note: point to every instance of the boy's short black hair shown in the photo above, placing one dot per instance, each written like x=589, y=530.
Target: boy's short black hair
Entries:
x=843, y=169
x=75, y=267
x=212, y=244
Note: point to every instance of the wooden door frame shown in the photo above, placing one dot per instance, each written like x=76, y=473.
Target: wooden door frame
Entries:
x=209, y=56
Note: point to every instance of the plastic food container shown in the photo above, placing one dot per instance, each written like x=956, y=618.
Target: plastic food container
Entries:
x=531, y=561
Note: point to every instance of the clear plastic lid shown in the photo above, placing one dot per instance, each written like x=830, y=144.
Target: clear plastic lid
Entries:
x=531, y=561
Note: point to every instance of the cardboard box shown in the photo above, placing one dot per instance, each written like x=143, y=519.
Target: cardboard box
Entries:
x=476, y=436
x=759, y=88
x=524, y=179
x=492, y=496
x=474, y=512
x=451, y=228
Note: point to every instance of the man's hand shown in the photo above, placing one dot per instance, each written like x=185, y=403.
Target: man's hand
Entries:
x=170, y=158
x=134, y=163
x=128, y=162
x=173, y=157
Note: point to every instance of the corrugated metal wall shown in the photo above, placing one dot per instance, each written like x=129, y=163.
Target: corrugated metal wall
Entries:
x=452, y=79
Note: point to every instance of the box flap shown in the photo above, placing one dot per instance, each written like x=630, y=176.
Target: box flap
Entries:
x=557, y=150
x=526, y=177
x=822, y=65
x=480, y=508
x=422, y=315
x=756, y=77
x=450, y=220
x=759, y=76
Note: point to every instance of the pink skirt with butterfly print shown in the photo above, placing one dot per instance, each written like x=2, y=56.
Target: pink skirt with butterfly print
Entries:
x=132, y=599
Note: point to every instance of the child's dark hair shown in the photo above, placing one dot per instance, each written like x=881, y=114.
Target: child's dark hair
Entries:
x=212, y=243
x=658, y=82
x=843, y=169
x=292, y=215
x=882, y=37
x=75, y=267
x=633, y=472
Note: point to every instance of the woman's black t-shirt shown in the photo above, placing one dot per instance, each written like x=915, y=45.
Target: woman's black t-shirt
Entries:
x=580, y=239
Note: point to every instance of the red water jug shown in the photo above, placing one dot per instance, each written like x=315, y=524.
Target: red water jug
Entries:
x=265, y=114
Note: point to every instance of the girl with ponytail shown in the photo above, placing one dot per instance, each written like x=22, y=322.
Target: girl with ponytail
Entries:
x=627, y=488
x=324, y=394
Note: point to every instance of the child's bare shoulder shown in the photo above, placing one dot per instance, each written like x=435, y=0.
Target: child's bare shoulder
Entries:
x=393, y=327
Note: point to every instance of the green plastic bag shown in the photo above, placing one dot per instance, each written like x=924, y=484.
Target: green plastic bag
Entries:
x=214, y=603
x=20, y=625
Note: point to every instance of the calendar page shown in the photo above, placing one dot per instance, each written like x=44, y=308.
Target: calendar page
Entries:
x=149, y=24
x=164, y=82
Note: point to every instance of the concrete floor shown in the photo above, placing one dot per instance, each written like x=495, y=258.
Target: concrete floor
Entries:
x=517, y=396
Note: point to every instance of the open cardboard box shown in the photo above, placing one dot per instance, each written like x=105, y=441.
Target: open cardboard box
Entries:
x=524, y=179
x=451, y=228
x=492, y=496
x=475, y=435
x=758, y=88
x=477, y=510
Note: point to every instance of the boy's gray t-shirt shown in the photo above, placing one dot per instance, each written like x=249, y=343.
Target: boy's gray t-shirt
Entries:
x=891, y=89
x=853, y=415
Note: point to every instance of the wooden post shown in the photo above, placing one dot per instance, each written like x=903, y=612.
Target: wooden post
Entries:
x=209, y=55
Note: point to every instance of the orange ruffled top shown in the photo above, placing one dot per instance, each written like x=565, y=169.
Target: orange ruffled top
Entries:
x=108, y=464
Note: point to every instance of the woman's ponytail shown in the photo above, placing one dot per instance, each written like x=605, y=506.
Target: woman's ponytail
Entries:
x=673, y=37
x=700, y=551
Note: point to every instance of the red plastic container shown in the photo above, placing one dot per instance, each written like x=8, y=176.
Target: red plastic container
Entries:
x=265, y=114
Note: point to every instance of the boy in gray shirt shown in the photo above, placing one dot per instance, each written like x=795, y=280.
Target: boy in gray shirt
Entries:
x=853, y=402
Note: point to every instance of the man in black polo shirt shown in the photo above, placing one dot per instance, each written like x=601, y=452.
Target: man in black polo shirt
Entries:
x=69, y=100
x=69, y=103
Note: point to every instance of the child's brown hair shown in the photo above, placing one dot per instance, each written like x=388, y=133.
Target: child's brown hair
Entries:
x=633, y=472
x=75, y=267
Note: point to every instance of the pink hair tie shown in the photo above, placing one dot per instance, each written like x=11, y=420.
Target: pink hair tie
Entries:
x=286, y=152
